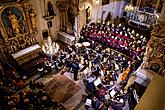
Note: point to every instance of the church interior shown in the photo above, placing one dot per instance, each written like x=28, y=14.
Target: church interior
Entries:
x=82, y=55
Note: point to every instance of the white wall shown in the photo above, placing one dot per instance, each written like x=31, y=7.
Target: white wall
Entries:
x=115, y=7
x=41, y=22
x=83, y=6
x=55, y=22
x=39, y=18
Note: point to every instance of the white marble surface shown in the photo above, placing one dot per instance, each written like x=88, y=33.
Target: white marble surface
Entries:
x=66, y=38
x=25, y=51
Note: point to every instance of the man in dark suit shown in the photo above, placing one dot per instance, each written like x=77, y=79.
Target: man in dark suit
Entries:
x=75, y=68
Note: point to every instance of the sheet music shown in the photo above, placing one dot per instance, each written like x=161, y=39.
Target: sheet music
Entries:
x=112, y=93
x=88, y=102
x=97, y=82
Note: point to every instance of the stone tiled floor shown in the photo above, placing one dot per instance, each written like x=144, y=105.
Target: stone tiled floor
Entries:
x=77, y=98
x=73, y=101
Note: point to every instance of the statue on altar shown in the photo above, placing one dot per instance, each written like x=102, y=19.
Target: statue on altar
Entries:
x=109, y=17
x=71, y=17
x=50, y=9
x=14, y=21
x=32, y=16
x=88, y=15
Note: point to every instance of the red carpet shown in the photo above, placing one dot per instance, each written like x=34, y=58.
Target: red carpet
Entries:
x=61, y=88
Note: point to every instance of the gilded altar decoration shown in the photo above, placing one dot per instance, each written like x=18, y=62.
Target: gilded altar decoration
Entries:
x=154, y=57
x=155, y=50
x=32, y=16
x=158, y=30
x=13, y=46
x=18, y=27
x=155, y=30
x=28, y=40
x=69, y=12
x=14, y=22
x=9, y=31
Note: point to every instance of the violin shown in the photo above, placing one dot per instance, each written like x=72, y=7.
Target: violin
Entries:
x=125, y=73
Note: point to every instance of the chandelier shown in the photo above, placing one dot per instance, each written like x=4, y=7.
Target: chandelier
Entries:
x=129, y=7
x=50, y=48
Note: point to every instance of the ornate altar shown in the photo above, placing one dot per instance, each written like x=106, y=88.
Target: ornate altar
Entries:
x=68, y=13
x=154, y=57
x=142, y=20
x=18, y=26
x=144, y=14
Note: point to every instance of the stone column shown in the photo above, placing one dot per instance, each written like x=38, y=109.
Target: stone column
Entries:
x=154, y=58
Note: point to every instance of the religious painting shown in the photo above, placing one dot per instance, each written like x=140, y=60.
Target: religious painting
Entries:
x=71, y=16
x=13, y=21
x=45, y=34
x=105, y=2
x=49, y=24
x=148, y=5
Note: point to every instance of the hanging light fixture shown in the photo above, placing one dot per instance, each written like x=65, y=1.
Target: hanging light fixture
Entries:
x=50, y=48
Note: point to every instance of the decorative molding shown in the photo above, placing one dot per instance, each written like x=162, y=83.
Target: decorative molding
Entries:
x=155, y=51
x=48, y=18
x=22, y=39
